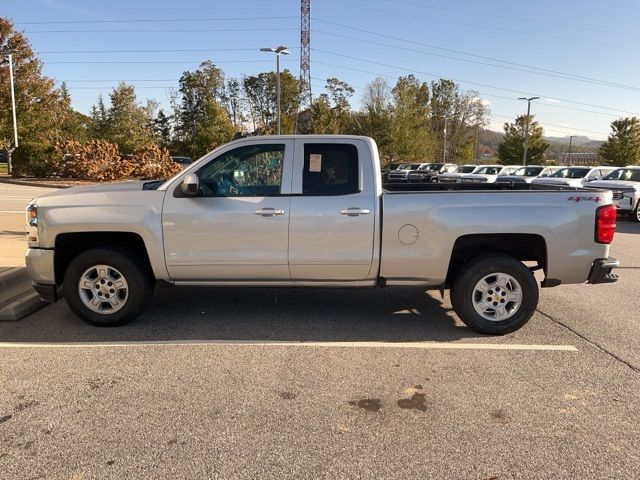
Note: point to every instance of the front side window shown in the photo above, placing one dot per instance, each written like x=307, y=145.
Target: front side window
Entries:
x=330, y=169
x=252, y=170
x=624, y=174
x=571, y=173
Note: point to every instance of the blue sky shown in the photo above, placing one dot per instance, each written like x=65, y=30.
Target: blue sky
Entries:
x=357, y=41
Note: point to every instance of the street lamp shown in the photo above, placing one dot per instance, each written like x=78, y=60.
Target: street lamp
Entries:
x=281, y=50
x=526, y=127
x=569, y=155
x=9, y=60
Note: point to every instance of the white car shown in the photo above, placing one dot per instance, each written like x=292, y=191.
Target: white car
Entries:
x=487, y=173
x=575, y=176
x=528, y=174
x=625, y=184
x=453, y=177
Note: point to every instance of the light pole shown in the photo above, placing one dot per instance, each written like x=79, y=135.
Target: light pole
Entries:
x=281, y=50
x=526, y=127
x=9, y=60
x=569, y=155
x=444, y=141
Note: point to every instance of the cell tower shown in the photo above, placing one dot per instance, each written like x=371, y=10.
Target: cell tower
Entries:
x=305, y=52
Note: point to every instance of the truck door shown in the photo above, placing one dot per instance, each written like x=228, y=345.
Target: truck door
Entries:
x=237, y=227
x=333, y=211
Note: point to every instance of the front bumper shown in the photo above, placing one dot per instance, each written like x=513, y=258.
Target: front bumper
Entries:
x=40, y=266
x=601, y=271
x=48, y=293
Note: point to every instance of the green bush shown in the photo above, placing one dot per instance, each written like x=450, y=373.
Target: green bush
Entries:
x=34, y=160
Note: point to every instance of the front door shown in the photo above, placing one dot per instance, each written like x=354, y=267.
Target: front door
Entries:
x=237, y=227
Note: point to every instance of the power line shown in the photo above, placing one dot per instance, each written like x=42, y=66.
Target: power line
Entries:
x=156, y=20
x=172, y=50
x=486, y=27
x=547, y=71
x=163, y=30
x=468, y=82
x=520, y=19
x=161, y=61
x=570, y=129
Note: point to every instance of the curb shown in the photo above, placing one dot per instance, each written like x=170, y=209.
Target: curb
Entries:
x=17, y=297
x=27, y=183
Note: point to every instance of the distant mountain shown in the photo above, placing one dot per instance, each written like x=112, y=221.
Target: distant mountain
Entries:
x=581, y=140
x=488, y=141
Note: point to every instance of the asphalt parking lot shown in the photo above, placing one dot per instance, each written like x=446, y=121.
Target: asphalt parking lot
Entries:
x=264, y=383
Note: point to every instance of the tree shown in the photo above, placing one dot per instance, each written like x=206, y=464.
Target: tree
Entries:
x=202, y=123
x=464, y=112
x=511, y=149
x=376, y=117
x=162, y=129
x=623, y=145
x=410, y=137
x=261, y=93
x=330, y=112
x=42, y=110
x=127, y=123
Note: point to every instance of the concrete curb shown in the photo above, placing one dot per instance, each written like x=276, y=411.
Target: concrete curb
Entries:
x=27, y=183
x=17, y=297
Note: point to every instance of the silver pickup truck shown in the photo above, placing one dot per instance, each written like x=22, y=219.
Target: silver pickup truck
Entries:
x=311, y=211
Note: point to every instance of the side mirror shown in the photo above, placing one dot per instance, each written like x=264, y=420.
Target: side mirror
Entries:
x=190, y=185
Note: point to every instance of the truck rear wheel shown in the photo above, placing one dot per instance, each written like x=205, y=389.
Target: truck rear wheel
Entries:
x=107, y=287
x=495, y=294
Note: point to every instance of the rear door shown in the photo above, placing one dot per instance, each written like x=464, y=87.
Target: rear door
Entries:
x=333, y=211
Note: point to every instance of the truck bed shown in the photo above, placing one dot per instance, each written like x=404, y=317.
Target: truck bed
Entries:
x=430, y=187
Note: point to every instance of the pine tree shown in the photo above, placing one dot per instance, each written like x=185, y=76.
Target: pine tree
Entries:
x=511, y=149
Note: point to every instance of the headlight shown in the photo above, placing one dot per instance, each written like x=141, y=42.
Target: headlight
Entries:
x=32, y=215
x=32, y=225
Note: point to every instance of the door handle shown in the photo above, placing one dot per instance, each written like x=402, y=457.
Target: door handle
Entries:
x=354, y=211
x=269, y=212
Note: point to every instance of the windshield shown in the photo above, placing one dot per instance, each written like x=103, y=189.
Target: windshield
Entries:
x=625, y=174
x=414, y=166
x=488, y=170
x=528, y=171
x=571, y=173
x=466, y=169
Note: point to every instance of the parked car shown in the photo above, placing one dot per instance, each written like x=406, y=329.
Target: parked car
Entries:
x=401, y=174
x=625, y=185
x=453, y=177
x=184, y=161
x=430, y=172
x=291, y=211
x=486, y=174
x=388, y=168
x=574, y=176
x=527, y=174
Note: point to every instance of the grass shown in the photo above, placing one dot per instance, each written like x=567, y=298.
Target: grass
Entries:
x=3, y=168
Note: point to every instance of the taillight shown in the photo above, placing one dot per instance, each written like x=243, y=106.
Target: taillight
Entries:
x=605, y=223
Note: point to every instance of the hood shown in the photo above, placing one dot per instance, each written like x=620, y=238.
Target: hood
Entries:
x=98, y=188
x=614, y=185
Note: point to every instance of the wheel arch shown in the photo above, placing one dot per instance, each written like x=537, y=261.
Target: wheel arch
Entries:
x=70, y=245
x=525, y=247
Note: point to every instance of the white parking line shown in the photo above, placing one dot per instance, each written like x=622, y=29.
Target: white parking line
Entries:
x=265, y=343
x=21, y=212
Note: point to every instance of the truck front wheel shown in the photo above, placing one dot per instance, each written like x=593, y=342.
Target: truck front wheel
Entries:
x=495, y=294
x=107, y=287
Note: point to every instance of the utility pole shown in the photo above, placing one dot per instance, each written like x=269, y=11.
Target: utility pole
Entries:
x=526, y=127
x=13, y=110
x=568, y=162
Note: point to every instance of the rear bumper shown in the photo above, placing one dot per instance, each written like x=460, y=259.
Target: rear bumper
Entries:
x=601, y=271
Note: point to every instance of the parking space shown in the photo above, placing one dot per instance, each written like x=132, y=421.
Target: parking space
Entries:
x=263, y=383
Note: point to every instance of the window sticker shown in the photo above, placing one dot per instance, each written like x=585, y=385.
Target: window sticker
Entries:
x=315, y=162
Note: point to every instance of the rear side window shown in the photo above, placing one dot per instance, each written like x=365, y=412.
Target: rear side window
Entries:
x=330, y=169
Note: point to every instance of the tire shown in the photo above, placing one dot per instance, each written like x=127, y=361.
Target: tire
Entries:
x=516, y=299
x=122, y=277
x=635, y=213
x=433, y=179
